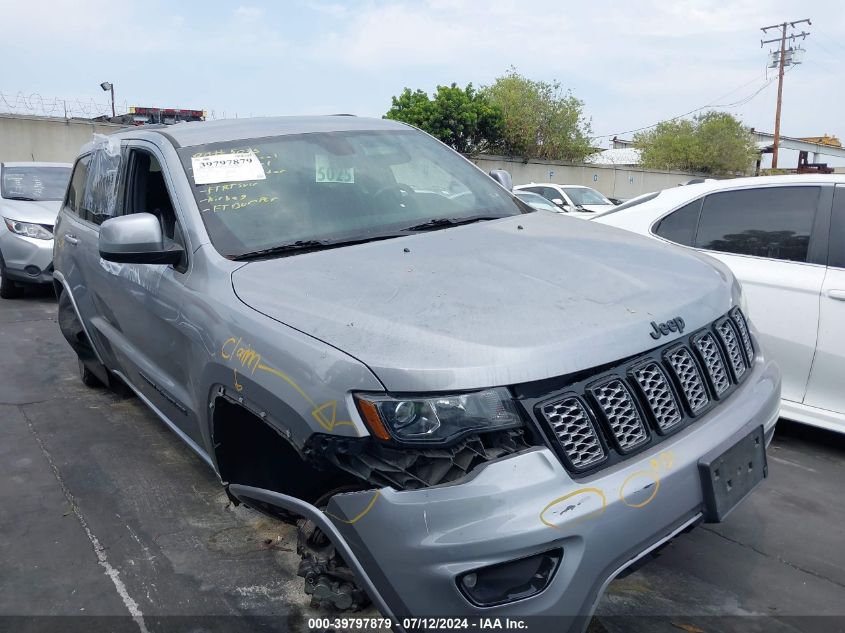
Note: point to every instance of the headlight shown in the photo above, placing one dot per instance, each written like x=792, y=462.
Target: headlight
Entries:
x=437, y=418
x=28, y=229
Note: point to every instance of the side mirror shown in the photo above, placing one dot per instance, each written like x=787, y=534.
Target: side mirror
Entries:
x=559, y=202
x=136, y=239
x=503, y=178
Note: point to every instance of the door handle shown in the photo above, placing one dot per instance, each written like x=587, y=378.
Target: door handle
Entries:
x=71, y=239
x=839, y=295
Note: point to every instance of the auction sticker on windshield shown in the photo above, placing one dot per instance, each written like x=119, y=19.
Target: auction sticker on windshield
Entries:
x=327, y=171
x=235, y=167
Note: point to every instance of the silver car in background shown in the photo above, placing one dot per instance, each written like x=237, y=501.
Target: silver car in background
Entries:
x=471, y=407
x=30, y=197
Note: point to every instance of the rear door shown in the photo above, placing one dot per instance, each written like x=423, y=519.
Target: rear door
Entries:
x=774, y=240
x=826, y=388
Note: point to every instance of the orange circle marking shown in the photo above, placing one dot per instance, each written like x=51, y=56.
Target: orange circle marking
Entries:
x=589, y=515
x=648, y=473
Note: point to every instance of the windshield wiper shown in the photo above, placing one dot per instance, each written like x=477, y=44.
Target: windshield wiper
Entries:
x=438, y=223
x=304, y=246
x=24, y=198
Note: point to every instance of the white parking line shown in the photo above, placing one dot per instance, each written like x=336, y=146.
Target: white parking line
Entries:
x=100, y=552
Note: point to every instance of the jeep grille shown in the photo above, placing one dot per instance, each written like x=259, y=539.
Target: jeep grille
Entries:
x=618, y=408
x=612, y=413
x=575, y=432
x=729, y=338
x=713, y=362
x=658, y=394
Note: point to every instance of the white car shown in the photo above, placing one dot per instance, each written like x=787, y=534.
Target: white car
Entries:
x=575, y=200
x=536, y=201
x=30, y=196
x=784, y=239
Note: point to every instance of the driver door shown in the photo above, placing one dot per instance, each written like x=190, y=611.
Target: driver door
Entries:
x=140, y=304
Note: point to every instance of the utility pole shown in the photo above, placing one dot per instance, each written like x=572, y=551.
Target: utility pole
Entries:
x=782, y=62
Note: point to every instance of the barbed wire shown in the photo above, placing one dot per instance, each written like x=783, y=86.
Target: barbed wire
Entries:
x=74, y=107
x=34, y=104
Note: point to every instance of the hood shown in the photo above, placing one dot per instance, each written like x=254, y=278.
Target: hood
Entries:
x=493, y=303
x=38, y=212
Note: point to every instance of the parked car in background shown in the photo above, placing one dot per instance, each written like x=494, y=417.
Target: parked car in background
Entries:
x=30, y=196
x=537, y=201
x=577, y=200
x=473, y=408
x=784, y=239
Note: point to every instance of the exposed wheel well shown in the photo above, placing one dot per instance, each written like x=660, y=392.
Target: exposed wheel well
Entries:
x=251, y=452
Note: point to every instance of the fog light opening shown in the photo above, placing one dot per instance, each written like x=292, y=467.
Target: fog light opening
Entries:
x=32, y=270
x=510, y=581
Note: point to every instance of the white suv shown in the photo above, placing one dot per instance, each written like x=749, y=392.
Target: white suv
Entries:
x=575, y=200
x=784, y=239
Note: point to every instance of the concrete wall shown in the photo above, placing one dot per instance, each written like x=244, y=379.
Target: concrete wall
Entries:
x=616, y=182
x=59, y=139
x=46, y=138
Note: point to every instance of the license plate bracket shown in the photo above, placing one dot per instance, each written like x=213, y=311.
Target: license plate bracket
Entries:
x=731, y=471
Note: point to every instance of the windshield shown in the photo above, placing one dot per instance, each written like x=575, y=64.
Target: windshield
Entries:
x=260, y=194
x=536, y=200
x=585, y=195
x=32, y=182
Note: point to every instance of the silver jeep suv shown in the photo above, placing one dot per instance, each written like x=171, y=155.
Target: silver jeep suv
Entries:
x=469, y=406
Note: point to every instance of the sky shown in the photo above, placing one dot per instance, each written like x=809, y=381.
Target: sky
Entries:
x=632, y=63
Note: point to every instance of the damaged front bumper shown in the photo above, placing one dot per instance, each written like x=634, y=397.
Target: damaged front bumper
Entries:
x=410, y=549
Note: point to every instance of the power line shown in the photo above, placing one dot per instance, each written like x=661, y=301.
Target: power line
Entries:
x=829, y=39
x=712, y=104
x=825, y=49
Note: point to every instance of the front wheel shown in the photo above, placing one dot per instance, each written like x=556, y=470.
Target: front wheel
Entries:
x=87, y=376
x=328, y=579
x=8, y=288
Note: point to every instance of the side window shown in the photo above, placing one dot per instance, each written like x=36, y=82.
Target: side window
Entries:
x=99, y=200
x=146, y=192
x=773, y=222
x=75, y=189
x=679, y=226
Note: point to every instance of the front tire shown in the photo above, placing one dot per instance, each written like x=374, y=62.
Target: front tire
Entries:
x=8, y=288
x=87, y=376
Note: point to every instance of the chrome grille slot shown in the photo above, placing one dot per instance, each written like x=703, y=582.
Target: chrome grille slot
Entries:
x=573, y=428
x=742, y=327
x=619, y=409
x=714, y=364
x=692, y=385
x=658, y=394
x=732, y=345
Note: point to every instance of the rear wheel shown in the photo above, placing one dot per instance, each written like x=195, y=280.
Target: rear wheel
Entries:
x=8, y=288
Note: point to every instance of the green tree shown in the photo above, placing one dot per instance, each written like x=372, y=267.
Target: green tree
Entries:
x=713, y=143
x=462, y=118
x=540, y=119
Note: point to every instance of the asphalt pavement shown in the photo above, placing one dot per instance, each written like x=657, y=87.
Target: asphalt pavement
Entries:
x=105, y=515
